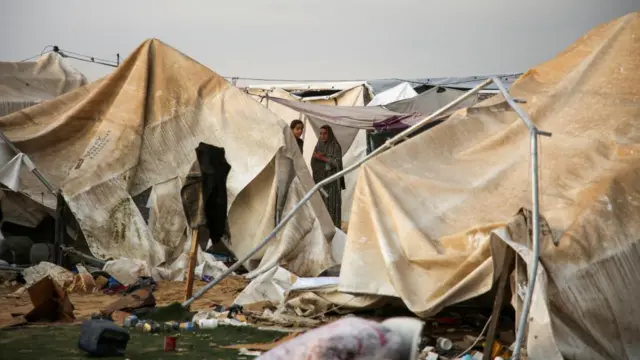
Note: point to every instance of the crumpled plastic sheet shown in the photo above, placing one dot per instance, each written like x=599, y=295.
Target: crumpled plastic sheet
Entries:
x=348, y=338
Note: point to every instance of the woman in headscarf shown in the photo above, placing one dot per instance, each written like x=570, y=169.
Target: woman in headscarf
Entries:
x=297, y=127
x=326, y=161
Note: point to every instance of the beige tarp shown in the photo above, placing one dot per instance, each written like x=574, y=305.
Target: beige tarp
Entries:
x=24, y=84
x=424, y=211
x=138, y=128
x=349, y=94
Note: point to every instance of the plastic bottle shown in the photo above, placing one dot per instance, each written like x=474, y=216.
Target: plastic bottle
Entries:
x=187, y=326
x=207, y=323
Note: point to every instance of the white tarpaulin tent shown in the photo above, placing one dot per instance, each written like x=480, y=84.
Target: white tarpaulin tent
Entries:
x=137, y=129
x=348, y=94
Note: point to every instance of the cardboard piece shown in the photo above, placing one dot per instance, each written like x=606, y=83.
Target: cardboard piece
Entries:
x=50, y=302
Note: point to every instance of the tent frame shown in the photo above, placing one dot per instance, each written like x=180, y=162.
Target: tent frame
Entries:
x=534, y=132
x=59, y=226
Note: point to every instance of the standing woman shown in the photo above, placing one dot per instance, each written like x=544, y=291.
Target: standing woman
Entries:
x=326, y=161
x=297, y=127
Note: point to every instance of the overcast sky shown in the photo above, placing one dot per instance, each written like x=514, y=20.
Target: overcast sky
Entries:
x=312, y=40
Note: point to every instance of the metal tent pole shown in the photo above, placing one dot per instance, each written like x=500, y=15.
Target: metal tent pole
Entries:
x=533, y=134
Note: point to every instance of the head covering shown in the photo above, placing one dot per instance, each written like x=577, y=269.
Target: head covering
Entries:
x=332, y=150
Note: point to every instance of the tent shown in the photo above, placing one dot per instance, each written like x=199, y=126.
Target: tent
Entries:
x=334, y=94
x=137, y=129
x=464, y=82
x=431, y=216
x=23, y=84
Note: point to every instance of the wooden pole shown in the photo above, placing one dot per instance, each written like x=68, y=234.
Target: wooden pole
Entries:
x=193, y=259
x=509, y=256
x=193, y=252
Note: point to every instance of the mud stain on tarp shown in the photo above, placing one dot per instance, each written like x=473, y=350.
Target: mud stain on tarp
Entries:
x=120, y=222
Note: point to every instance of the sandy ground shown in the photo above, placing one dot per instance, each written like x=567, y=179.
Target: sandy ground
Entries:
x=166, y=293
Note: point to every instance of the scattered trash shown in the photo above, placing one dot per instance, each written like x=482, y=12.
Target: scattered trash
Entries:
x=207, y=323
x=187, y=326
x=444, y=344
x=103, y=338
x=82, y=281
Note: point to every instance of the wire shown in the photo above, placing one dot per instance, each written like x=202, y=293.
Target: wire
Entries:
x=476, y=341
x=65, y=51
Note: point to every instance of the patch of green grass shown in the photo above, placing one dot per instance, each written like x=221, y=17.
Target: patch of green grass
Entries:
x=60, y=342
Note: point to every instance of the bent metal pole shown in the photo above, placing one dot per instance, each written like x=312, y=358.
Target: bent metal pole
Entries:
x=390, y=143
x=533, y=133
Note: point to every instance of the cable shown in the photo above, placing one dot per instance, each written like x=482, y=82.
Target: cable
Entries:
x=476, y=341
x=65, y=51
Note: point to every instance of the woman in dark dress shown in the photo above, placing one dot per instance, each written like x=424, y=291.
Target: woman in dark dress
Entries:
x=326, y=161
x=297, y=127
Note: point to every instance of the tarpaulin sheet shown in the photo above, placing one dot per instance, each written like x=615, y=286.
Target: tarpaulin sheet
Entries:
x=353, y=117
x=353, y=141
x=430, y=101
x=138, y=128
x=463, y=82
x=399, y=92
x=23, y=84
x=430, y=215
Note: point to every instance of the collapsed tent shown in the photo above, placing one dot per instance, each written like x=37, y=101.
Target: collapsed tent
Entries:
x=24, y=84
x=431, y=216
x=464, y=82
x=332, y=94
x=137, y=129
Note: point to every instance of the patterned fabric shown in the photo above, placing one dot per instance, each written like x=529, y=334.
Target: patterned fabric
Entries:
x=347, y=338
x=321, y=170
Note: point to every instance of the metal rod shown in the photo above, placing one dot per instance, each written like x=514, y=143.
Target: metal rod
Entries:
x=533, y=134
x=59, y=230
x=90, y=259
x=330, y=179
x=35, y=171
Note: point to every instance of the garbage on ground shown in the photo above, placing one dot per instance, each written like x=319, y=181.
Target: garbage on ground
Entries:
x=355, y=338
x=82, y=281
x=232, y=316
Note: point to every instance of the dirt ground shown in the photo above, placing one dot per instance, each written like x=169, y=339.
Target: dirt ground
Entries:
x=166, y=293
